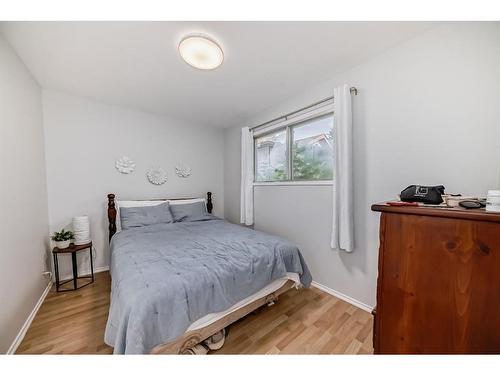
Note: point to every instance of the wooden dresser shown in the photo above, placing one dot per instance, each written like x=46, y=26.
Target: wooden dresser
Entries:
x=438, y=288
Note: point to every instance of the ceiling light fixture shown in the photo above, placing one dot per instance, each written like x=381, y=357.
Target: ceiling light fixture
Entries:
x=201, y=52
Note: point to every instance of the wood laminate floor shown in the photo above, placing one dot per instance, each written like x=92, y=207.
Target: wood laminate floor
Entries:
x=302, y=321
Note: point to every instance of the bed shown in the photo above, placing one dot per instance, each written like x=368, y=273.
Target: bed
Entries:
x=175, y=284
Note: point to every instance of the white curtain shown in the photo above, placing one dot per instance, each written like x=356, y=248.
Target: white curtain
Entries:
x=246, y=203
x=343, y=191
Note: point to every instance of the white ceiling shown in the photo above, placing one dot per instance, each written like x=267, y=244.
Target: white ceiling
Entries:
x=136, y=64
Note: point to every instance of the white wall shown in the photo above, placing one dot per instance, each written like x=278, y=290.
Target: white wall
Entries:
x=427, y=112
x=83, y=139
x=232, y=172
x=23, y=195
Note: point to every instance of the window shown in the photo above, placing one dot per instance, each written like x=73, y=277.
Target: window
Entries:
x=300, y=151
x=312, y=146
x=271, y=159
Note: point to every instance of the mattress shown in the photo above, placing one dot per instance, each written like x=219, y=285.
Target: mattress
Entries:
x=270, y=288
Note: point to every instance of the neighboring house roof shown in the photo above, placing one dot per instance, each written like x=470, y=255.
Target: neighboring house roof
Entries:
x=315, y=139
x=305, y=142
x=264, y=144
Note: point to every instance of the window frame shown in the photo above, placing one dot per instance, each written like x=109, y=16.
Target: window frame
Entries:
x=288, y=124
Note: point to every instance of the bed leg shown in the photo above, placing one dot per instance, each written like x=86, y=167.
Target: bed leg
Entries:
x=271, y=299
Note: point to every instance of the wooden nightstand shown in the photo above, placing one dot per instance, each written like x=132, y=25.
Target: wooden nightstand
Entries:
x=73, y=249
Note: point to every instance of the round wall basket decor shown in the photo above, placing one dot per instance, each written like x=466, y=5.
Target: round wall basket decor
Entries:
x=157, y=176
x=125, y=165
x=182, y=170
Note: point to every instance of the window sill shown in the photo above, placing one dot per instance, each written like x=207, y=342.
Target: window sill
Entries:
x=294, y=183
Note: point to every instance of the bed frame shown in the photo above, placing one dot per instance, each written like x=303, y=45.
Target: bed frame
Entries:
x=189, y=339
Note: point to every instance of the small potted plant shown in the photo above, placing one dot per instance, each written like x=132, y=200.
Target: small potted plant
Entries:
x=62, y=238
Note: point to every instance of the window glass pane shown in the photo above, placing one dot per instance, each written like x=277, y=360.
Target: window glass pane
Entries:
x=312, y=149
x=271, y=157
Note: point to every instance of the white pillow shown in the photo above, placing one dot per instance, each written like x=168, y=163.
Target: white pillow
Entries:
x=174, y=202
x=149, y=203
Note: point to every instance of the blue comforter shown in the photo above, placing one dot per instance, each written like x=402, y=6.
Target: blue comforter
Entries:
x=166, y=276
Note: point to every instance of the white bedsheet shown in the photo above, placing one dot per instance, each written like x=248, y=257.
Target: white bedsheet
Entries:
x=272, y=287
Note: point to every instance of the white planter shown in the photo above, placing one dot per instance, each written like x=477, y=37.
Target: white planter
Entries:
x=62, y=244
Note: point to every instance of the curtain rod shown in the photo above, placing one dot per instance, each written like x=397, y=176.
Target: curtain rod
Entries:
x=353, y=90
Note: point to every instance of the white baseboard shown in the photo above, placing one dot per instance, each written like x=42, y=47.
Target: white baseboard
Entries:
x=101, y=269
x=343, y=297
x=20, y=336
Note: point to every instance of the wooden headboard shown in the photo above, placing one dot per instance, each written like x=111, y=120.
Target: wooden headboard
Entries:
x=112, y=210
